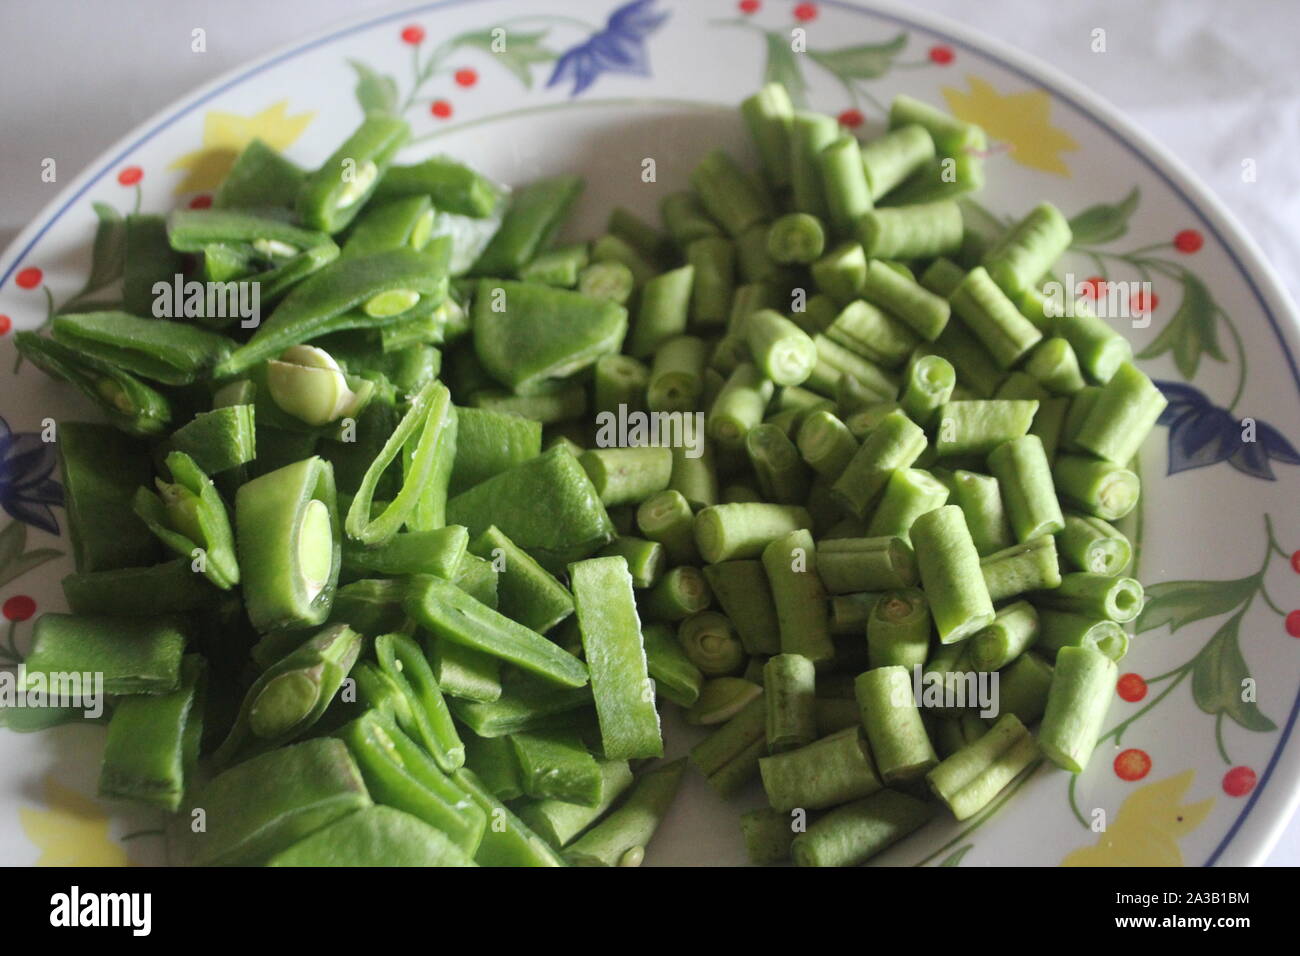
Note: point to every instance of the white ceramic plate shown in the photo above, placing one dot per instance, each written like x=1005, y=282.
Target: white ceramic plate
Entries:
x=1197, y=764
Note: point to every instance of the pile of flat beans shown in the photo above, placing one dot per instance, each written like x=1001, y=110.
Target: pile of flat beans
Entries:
x=370, y=583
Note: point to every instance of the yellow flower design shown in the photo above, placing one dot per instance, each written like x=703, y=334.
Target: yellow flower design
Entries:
x=1147, y=828
x=226, y=134
x=73, y=831
x=1022, y=120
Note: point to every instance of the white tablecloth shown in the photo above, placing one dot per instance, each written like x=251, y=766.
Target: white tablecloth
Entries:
x=1216, y=82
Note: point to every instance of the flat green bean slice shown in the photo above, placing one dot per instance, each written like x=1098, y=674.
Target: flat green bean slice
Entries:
x=189, y=517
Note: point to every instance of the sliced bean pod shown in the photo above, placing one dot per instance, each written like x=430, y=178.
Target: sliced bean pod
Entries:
x=742, y=591
x=1096, y=595
x=769, y=115
x=1025, y=478
x=535, y=215
x=1091, y=544
x=922, y=231
x=611, y=639
x=968, y=780
x=290, y=696
x=1121, y=417
x=621, y=838
x=949, y=568
x=789, y=687
x=1102, y=489
x=267, y=804
x=799, y=596
x=1082, y=687
x=893, y=724
x=1013, y=631
x=1030, y=566
x=895, y=443
x=909, y=494
x=898, y=630
x=288, y=535
x=854, y=564
x=1068, y=629
x=994, y=318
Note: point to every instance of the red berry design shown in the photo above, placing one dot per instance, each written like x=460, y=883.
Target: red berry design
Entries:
x=805, y=12
x=1142, y=302
x=29, y=278
x=413, y=35
x=851, y=118
x=6, y=324
x=749, y=6
x=19, y=608
x=1239, y=781
x=466, y=77
x=1093, y=287
x=130, y=176
x=1131, y=687
x=201, y=202
x=942, y=55
x=1188, y=241
x=440, y=109
x=1132, y=764
x=1295, y=561
x=1293, y=623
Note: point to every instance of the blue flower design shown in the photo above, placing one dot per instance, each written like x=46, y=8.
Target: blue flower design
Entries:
x=26, y=489
x=619, y=48
x=1202, y=434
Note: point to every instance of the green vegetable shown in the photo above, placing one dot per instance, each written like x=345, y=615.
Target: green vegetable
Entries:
x=611, y=642
x=375, y=836
x=153, y=740
x=264, y=805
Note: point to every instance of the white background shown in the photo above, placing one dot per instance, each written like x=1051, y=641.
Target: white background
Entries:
x=1217, y=82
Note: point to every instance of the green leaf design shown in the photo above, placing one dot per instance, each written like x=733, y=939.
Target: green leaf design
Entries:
x=15, y=560
x=108, y=254
x=12, y=541
x=375, y=92
x=1192, y=331
x=1104, y=222
x=782, y=67
x=1178, y=603
x=955, y=857
x=26, y=562
x=863, y=62
x=521, y=51
x=1217, y=675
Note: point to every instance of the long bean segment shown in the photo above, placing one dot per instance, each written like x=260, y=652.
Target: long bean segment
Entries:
x=1029, y=249
x=949, y=567
x=1091, y=544
x=288, y=535
x=611, y=640
x=895, y=443
x=853, y=833
x=968, y=780
x=898, y=630
x=1031, y=566
x=893, y=723
x=799, y=596
x=1025, y=478
x=1082, y=687
x=1012, y=632
x=452, y=614
x=620, y=839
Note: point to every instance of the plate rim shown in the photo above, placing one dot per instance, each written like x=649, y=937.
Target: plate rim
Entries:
x=1252, y=835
